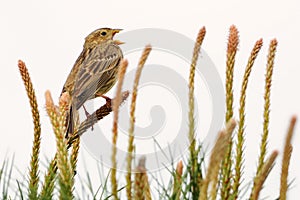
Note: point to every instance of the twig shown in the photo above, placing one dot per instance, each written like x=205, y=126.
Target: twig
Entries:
x=286, y=159
x=138, y=73
x=34, y=163
x=96, y=116
x=241, y=126
x=232, y=48
x=116, y=104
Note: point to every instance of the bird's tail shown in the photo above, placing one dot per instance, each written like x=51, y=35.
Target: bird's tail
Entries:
x=71, y=122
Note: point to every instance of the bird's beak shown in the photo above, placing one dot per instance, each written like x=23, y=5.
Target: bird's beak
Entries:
x=117, y=42
x=116, y=31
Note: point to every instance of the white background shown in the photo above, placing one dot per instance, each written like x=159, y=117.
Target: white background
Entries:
x=48, y=36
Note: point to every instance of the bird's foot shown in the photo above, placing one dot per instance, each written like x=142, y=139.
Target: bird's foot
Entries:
x=108, y=101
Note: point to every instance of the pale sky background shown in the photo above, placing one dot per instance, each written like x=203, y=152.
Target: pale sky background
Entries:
x=48, y=36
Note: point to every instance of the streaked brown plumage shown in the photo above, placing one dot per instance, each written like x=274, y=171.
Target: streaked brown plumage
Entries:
x=94, y=72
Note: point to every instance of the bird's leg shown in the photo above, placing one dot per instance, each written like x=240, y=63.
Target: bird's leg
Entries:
x=87, y=114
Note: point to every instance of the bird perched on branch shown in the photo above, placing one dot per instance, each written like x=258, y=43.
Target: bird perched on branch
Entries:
x=94, y=72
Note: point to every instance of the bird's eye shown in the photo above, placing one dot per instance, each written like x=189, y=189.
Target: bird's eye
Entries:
x=103, y=33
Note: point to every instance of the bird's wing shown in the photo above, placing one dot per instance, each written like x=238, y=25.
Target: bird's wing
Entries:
x=95, y=70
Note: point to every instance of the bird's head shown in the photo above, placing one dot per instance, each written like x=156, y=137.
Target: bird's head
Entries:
x=102, y=35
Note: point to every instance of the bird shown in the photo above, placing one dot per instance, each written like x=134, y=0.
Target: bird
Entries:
x=94, y=72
